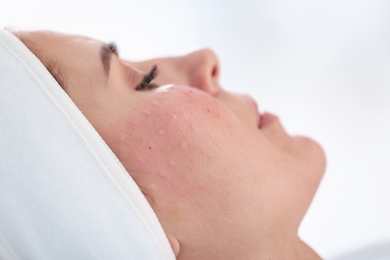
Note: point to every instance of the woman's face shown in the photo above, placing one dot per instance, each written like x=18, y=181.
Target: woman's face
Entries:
x=216, y=173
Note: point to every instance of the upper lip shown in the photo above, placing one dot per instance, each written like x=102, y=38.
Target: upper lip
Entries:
x=259, y=120
x=258, y=114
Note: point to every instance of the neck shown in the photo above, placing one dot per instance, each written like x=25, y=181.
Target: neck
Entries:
x=287, y=250
x=296, y=250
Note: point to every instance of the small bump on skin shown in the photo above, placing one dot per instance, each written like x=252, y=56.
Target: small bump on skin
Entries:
x=184, y=145
x=161, y=132
x=146, y=112
x=174, y=116
x=122, y=137
x=191, y=126
x=140, y=159
x=172, y=163
x=131, y=123
x=152, y=186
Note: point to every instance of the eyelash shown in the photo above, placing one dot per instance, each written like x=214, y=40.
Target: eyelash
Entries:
x=146, y=83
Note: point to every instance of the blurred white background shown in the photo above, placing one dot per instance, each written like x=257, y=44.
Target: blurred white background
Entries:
x=322, y=66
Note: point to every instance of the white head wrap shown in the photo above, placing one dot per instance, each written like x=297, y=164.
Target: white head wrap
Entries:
x=63, y=193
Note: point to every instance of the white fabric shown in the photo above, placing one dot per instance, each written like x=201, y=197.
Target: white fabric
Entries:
x=63, y=193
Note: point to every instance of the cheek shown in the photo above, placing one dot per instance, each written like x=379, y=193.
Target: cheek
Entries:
x=167, y=140
x=182, y=148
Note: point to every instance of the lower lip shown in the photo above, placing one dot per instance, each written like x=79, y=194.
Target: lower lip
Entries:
x=267, y=119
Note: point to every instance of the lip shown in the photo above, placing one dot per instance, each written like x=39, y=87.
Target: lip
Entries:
x=259, y=116
x=259, y=120
x=266, y=119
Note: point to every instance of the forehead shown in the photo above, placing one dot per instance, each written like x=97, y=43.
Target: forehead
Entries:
x=62, y=48
x=75, y=57
x=67, y=43
x=50, y=37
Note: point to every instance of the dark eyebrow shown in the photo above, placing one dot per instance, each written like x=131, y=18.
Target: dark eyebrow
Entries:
x=106, y=51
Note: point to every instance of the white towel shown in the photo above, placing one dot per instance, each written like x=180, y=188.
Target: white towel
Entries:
x=63, y=193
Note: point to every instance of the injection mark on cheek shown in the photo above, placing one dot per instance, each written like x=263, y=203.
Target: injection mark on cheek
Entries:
x=189, y=94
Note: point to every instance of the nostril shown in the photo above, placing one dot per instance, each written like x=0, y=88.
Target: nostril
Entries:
x=214, y=72
x=203, y=70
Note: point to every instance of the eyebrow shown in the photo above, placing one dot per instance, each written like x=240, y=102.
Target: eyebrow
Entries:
x=106, y=51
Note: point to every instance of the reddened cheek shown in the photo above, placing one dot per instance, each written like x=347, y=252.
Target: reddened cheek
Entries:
x=168, y=134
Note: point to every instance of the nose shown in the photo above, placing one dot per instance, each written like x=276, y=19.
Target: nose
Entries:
x=203, y=70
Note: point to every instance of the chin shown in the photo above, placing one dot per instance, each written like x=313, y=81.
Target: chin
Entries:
x=313, y=153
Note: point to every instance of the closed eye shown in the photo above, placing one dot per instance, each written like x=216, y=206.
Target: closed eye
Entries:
x=146, y=83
